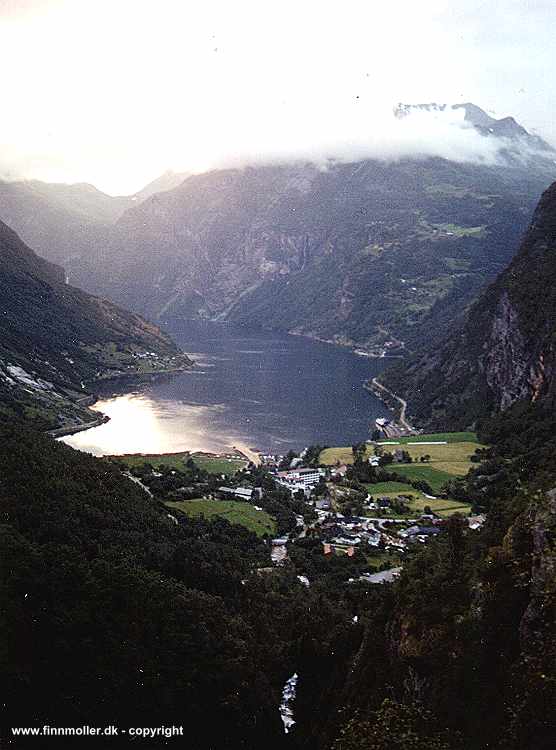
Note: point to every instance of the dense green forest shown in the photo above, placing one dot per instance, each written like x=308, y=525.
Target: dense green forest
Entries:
x=114, y=614
x=461, y=651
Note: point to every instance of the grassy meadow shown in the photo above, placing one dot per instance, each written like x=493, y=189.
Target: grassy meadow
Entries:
x=233, y=511
x=419, y=501
x=212, y=464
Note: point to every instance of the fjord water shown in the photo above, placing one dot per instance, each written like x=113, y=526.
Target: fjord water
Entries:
x=248, y=388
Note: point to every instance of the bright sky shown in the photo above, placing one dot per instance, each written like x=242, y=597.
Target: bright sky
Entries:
x=114, y=92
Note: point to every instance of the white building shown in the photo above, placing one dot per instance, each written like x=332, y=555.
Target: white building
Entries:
x=242, y=493
x=305, y=478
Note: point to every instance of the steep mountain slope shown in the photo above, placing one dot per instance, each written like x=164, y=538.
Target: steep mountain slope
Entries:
x=55, y=340
x=460, y=652
x=61, y=222
x=361, y=253
x=64, y=222
x=506, y=350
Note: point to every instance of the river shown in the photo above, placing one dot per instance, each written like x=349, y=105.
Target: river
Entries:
x=259, y=389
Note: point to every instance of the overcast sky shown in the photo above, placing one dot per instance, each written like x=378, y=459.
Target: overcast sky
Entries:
x=113, y=92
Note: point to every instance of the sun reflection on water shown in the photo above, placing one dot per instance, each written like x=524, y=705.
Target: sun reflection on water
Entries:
x=138, y=424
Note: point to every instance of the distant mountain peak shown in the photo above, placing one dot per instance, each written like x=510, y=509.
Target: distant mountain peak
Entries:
x=505, y=127
x=167, y=181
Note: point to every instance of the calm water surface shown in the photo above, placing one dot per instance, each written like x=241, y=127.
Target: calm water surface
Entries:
x=248, y=388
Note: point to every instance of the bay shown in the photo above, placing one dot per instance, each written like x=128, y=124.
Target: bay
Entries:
x=248, y=388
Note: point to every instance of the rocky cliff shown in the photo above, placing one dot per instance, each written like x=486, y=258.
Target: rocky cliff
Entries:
x=505, y=351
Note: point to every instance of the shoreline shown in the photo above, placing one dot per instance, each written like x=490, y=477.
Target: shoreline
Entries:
x=248, y=453
x=138, y=376
x=375, y=387
x=357, y=349
x=59, y=432
x=361, y=350
x=92, y=398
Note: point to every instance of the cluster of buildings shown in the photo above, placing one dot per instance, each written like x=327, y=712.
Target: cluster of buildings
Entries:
x=342, y=534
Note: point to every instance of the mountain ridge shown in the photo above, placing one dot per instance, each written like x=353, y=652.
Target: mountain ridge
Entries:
x=311, y=252
x=370, y=254
x=56, y=341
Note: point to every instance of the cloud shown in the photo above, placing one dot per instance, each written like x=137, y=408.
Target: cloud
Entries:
x=368, y=132
x=114, y=93
x=378, y=135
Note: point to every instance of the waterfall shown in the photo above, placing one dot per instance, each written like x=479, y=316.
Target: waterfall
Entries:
x=288, y=697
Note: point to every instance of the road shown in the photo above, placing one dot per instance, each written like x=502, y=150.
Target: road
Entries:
x=402, y=420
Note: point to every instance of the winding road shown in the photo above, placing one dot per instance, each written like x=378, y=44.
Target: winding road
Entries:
x=402, y=420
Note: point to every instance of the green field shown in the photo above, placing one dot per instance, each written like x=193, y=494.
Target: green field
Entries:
x=212, y=464
x=235, y=512
x=449, y=437
x=418, y=503
x=332, y=456
x=425, y=472
x=455, y=455
x=453, y=458
x=219, y=464
x=391, y=489
x=460, y=231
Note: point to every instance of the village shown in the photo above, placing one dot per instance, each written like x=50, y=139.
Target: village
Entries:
x=384, y=527
x=374, y=502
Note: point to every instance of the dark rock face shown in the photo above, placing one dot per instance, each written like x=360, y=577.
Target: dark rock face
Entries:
x=543, y=573
x=505, y=352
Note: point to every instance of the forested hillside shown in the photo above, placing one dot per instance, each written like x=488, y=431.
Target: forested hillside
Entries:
x=114, y=614
x=359, y=253
x=117, y=609
x=55, y=340
x=460, y=653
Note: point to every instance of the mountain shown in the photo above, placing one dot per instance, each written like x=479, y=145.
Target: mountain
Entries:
x=505, y=127
x=369, y=254
x=65, y=222
x=116, y=611
x=167, y=181
x=56, y=341
x=505, y=352
x=460, y=651
x=61, y=222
